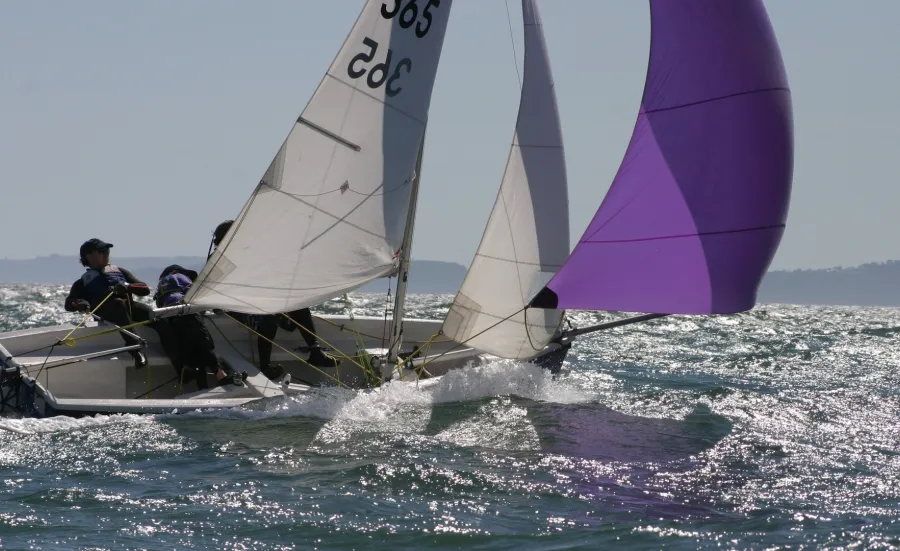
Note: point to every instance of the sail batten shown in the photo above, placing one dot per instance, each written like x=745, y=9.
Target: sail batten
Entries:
x=699, y=204
x=329, y=212
x=526, y=238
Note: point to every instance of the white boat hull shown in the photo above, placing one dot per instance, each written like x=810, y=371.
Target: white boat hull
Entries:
x=87, y=379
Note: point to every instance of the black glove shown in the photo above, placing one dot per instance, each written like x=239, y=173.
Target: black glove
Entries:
x=82, y=305
x=120, y=290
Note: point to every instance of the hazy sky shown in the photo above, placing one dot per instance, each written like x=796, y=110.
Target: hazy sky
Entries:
x=147, y=123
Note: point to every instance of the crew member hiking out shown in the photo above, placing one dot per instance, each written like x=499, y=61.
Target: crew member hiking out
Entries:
x=267, y=326
x=102, y=278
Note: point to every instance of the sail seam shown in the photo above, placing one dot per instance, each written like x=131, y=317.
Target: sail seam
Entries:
x=379, y=100
x=362, y=281
x=504, y=319
x=520, y=146
x=699, y=234
x=341, y=189
x=338, y=219
x=538, y=264
x=710, y=100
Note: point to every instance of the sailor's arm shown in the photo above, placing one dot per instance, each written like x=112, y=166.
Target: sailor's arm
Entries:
x=75, y=302
x=135, y=285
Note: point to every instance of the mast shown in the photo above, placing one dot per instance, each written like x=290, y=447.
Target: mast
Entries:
x=405, y=252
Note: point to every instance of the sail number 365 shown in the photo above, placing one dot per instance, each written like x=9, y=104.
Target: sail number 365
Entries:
x=378, y=74
x=410, y=13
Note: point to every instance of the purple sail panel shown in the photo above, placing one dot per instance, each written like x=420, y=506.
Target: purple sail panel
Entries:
x=698, y=206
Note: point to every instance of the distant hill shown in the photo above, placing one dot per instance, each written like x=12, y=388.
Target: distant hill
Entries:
x=874, y=284
x=66, y=269
x=426, y=276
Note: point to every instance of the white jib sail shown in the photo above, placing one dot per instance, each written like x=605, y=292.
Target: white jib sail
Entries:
x=527, y=235
x=329, y=213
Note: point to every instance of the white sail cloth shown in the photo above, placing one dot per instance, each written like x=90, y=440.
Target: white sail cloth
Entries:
x=527, y=235
x=329, y=213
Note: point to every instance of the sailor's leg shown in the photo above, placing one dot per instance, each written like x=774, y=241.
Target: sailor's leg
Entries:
x=308, y=330
x=303, y=318
x=192, y=345
x=267, y=327
x=166, y=331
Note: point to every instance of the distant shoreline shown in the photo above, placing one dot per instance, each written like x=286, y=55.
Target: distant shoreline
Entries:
x=427, y=276
x=872, y=284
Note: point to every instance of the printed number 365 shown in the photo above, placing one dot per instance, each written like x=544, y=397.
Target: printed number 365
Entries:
x=379, y=72
x=410, y=13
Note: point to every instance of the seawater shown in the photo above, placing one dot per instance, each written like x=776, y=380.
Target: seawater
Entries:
x=774, y=429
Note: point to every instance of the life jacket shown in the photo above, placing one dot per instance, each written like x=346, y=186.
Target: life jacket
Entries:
x=171, y=289
x=98, y=284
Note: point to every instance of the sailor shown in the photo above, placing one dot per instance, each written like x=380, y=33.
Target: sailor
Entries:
x=102, y=278
x=267, y=326
x=195, y=345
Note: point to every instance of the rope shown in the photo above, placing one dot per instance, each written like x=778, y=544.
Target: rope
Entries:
x=476, y=335
x=231, y=344
x=387, y=306
x=286, y=350
x=513, y=42
x=321, y=339
x=70, y=342
x=360, y=342
x=87, y=316
x=367, y=370
x=172, y=380
x=409, y=359
x=44, y=364
x=241, y=354
x=343, y=327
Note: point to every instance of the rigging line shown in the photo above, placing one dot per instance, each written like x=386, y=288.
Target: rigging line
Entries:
x=70, y=342
x=87, y=316
x=236, y=350
x=317, y=337
x=343, y=327
x=30, y=352
x=387, y=306
x=452, y=348
x=43, y=365
x=301, y=360
x=513, y=42
x=157, y=387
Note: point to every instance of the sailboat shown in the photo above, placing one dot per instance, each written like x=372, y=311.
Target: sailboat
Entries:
x=689, y=225
x=694, y=214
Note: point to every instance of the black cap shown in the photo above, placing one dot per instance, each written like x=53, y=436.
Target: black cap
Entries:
x=220, y=231
x=92, y=245
x=176, y=269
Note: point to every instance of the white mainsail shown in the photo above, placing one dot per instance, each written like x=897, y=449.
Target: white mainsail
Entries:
x=527, y=235
x=329, y=213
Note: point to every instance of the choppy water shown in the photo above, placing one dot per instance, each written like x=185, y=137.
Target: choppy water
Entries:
x=778, y=429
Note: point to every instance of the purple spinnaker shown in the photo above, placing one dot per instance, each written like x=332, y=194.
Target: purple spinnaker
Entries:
x=698, y=206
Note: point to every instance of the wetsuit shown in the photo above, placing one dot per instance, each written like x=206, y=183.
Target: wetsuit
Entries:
x=94, y=286
x=195, y=345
